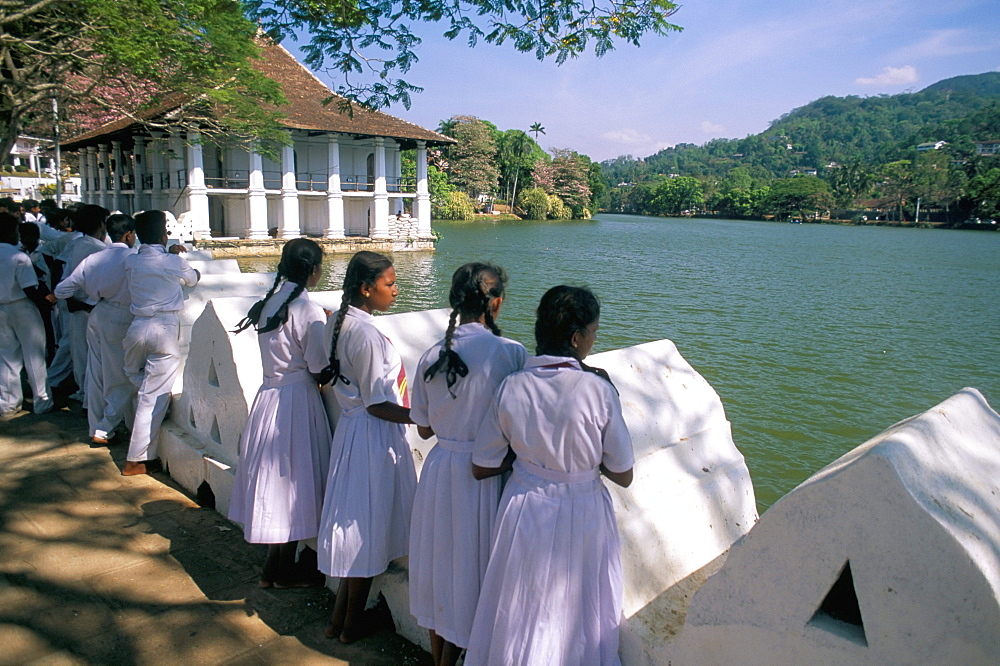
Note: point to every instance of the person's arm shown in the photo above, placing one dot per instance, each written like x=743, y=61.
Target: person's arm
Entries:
x=425, y=432
x=390, y=411
x=40, y=296
x=623, y=479
x=486, y=472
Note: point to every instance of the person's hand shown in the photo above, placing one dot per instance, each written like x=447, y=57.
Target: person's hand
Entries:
x=177, y=249
x=51, y=299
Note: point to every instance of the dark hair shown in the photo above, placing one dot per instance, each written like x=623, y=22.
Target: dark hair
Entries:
x=57, y=217
x=118, y=225
x=8, y=228
x=299, y=258
x=29, y=204
x=150, y=225
x=89, y=219
x=364, y=268
x=562, y=312
x=9, y=204
x=29, y=233
x=473, y=286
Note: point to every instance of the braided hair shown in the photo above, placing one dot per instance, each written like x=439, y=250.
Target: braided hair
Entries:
x=473, y=287
x=364, y=268
x=299, y=259
x=562, y=312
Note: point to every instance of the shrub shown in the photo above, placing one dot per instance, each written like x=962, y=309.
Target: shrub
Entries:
x=457, y=206
x=558, y=210
x=534, y=202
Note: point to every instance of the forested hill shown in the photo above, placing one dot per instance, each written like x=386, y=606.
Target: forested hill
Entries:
x=868, y=130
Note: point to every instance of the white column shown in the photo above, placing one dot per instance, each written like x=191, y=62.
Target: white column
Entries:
x=102, y=174
x=116, y=176
x=422, y=209
x=334, y=195
x=197, y=192
x=84, y=172
x=156, y=169
x=289, y=194
x=138, y=174
x=380, y=205
x=256, y=198
x=95, y=177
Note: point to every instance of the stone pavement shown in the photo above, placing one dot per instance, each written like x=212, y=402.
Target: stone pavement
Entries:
x=98, y=568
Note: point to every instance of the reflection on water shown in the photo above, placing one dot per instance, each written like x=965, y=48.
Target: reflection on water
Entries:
x=816, y=337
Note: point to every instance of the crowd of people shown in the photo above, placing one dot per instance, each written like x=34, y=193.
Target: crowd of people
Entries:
x=511, y=536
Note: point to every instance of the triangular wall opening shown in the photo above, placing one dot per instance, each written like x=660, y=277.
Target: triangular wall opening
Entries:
x=213, y=374
x=840, y=612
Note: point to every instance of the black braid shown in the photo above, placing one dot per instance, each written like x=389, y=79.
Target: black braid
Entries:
x=281, y=315
x=331, y=373
x=448, y=360
x=253, y=316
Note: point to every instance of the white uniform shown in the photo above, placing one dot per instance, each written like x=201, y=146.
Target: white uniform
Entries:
x=62, y=365
x=369, y=493
x=454, y=514
x=22, y=334
x=285, y=447
x=101, y=278
x=79, y=249
x=553, y=588
x=152, y=357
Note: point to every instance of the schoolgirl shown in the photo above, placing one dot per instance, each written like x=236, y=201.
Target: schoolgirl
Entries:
x=285, y=447
x=454, y=513
x=553, y=587
x=369, y=491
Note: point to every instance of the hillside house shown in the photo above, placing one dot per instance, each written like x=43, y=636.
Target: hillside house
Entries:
x=340, y=177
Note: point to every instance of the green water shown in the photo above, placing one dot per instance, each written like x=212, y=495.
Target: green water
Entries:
x=816, y=337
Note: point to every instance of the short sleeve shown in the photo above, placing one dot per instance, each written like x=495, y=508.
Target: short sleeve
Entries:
x=368, y=358
x=616, y=441
x=491, y=443
x=24, y=272
x=316, y=353
x=419, y=400
x=187, y=275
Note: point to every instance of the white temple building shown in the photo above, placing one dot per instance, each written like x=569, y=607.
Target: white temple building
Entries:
x=340, y=177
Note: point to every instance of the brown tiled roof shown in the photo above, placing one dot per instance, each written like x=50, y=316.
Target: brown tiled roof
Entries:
x=305, y=109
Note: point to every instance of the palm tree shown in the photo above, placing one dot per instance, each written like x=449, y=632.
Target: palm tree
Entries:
x=537, y=129
x=446, y=127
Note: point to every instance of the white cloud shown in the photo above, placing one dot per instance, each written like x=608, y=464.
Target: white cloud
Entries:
x=715, y=129
x=890, y=76
x=950, y=42
x=627, y=136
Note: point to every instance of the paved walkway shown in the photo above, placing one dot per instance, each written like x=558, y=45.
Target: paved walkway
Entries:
x=98, y=568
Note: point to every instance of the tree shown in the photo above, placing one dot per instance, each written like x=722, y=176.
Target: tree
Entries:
x=456, y=206
x=472, y=163
x=675, y=195
x=535, y=203
x=897, y=183
x=536, y=129
x=984, y=190
x=567, y=176
x=119, y=57
x=850, y=182
x=203, y=49
x=516, y=155
x=801, y=196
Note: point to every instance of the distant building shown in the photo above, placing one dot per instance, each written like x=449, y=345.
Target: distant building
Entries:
x=931, y=145
x=803, y=171
x=341, y=174
x=27, y=152
x=987, y=147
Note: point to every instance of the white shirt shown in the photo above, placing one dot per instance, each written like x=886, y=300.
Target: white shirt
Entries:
x=16, y=273
x=55, y=247
x=78, y=250
x=367, y=359
x=557, y=416
x=298, y=344
x=154, y=279
x=489, y=359
x=100, y=276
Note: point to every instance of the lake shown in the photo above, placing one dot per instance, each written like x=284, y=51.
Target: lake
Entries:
x=816, y=337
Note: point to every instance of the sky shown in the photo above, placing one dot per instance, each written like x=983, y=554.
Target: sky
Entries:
x=736, y=66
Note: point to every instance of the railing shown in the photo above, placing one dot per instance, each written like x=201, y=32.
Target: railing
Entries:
x=356, y=183
x=229, y=180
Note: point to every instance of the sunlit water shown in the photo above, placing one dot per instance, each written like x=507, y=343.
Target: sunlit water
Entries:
x=816, y=337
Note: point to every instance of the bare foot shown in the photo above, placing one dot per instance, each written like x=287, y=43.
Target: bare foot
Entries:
x=133, y=468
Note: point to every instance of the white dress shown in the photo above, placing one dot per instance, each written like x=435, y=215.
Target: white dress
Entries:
x=369, y=491
x=454, y=514
x=285, y=447
x=553, y=587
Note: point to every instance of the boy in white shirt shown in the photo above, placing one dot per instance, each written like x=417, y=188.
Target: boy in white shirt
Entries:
x=22, y=335
x=152, y=357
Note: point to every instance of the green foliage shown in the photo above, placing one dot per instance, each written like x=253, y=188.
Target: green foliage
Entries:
x=472, y=162
x=559, y=210
x=534, y=202
x=566, y=176
x=456, y=206
x=802, y=197
x=674, y=196
x=984, y=191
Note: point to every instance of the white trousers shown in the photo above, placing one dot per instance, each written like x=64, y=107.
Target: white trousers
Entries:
x=78, y=348
x=62, y=363
x=110, y=394
x=22, y=345
x=152, y=359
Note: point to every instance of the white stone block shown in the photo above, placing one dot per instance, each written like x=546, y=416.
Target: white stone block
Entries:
x=914, y=516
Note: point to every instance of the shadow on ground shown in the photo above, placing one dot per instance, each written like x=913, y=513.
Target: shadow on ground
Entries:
x=100, y=568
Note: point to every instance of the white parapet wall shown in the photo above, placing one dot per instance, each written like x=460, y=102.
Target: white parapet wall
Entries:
x=889, y=555
x=691, y=497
